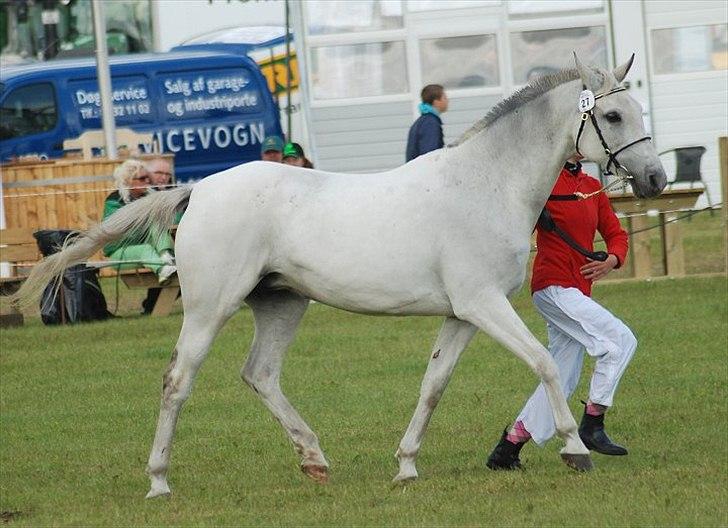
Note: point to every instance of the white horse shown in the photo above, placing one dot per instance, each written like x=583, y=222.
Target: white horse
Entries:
x=446, y=234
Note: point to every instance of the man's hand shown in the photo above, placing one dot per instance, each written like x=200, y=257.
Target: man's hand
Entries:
x=595, y=270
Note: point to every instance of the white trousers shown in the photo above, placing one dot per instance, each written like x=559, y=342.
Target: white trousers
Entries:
x=577, y=323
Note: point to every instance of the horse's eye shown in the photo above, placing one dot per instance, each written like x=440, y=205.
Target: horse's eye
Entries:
x=613, y=117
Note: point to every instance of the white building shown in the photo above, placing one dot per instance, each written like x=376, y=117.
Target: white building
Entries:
x=363, y=64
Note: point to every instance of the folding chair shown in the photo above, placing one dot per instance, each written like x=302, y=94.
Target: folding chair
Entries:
x=687, y=168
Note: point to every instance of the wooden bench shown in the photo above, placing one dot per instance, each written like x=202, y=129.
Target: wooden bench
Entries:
x=18, y=248
x=144, y=278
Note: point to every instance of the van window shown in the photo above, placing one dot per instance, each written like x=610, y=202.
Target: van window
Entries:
x=28, y=110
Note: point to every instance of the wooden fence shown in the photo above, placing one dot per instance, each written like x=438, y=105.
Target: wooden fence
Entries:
x=60, y=194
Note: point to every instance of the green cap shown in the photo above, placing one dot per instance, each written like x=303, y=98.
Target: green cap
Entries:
x=292, y=150
x=271, y=143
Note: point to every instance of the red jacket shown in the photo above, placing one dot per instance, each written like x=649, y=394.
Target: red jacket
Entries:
x=556, y=263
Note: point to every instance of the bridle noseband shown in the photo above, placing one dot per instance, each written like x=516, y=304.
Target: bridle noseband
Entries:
x=589, y=114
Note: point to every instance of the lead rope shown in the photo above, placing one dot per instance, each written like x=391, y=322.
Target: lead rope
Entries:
x=605, y=188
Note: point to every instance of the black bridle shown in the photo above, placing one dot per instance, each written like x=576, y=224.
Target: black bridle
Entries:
x=612, y=156
x=546, y=221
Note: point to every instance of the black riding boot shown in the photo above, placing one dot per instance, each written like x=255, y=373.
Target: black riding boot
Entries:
x=505, y=454
x=591, y=432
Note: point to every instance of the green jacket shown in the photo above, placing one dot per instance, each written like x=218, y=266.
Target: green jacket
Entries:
x=112, y=204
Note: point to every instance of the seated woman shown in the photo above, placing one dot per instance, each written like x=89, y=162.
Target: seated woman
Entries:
x=151, y=250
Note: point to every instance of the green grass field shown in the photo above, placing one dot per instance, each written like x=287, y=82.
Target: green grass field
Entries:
x=78, y=408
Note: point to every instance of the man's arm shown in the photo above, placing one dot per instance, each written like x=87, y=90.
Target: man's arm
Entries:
x=616, y=238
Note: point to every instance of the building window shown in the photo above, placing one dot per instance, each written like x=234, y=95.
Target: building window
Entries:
x=325, y=17
x=460, y=62
x=433, y=5
x=358, y=70
x=536, y=53
x=690, y=49
x=539, y=8
x=28, y=110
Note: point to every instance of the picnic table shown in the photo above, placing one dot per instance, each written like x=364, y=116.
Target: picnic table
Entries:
x=668, y=205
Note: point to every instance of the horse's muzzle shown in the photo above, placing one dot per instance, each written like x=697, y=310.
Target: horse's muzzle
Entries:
x=652, y=184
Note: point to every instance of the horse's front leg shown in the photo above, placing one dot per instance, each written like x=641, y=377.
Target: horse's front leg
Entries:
x=453, y=338
x=494, y=314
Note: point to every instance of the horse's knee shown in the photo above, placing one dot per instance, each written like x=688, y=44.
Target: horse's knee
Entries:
x=546, y=369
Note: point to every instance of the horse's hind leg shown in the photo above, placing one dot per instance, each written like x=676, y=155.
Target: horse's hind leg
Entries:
x=198, y=331
x=209, y=301
x=277, y=315
x=495, y=315
x=454, y=336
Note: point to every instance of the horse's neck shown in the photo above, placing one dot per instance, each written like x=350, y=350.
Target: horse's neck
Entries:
x=525, y=150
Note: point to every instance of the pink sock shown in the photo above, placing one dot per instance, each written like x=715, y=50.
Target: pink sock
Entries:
x=518, y=434
x=594, y=409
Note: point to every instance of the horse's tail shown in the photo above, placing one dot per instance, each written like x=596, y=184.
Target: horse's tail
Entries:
x=153, y=213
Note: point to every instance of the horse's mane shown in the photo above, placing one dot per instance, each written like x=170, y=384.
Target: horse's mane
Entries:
x=531, y=91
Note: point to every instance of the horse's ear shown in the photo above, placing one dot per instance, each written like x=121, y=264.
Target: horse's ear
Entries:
x=620, y=72
x=590, y=77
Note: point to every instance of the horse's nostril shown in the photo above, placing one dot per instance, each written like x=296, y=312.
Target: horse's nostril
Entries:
x=656, y=179
x=653, y=179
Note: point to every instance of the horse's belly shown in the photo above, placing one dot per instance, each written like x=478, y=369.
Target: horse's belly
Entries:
x=362, y=297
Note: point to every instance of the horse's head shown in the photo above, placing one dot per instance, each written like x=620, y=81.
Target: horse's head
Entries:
x=613, y=114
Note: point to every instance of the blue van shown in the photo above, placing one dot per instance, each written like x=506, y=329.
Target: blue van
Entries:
x=210, y=109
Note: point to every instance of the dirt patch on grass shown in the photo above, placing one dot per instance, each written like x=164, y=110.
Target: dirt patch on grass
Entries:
x=10, y=515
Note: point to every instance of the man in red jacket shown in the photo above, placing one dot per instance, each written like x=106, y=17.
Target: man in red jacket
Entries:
x=561, y=288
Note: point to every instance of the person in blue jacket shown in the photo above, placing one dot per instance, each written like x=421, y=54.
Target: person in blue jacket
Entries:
x=425, y=134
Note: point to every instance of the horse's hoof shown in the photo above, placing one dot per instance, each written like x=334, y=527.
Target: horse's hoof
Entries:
x=158, y=492
x=404, y=478
x=316, y=472
x=578, y=462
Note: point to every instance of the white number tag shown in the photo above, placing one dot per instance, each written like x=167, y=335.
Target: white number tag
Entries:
x=586, y=101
